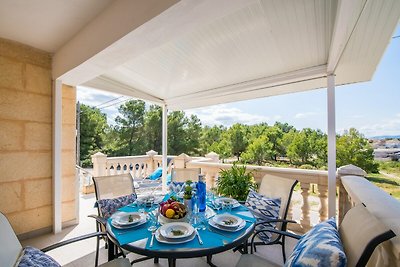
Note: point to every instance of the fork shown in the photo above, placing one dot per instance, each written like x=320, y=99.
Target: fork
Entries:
x=153, y=233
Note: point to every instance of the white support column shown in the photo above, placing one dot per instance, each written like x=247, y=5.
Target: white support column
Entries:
x=164, y=146
x=56, y=158
x=331, y=146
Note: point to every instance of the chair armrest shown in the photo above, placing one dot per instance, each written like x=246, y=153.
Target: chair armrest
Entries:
x=275, y=220
x=272, y=230
x=98, y=219
x=73, y=240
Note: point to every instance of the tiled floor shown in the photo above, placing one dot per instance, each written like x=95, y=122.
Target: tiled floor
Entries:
x=83, y=253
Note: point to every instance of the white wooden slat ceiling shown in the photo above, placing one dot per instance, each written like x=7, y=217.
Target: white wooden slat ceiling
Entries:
x=242, y=52
x=264, y=39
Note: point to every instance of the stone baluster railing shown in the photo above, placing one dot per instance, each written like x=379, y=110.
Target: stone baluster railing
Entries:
x=138, y=166
x=307, y=178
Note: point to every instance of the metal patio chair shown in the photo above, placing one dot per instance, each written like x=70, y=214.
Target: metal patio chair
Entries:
x=13, y=254
x=270, y=206
x=360, y=233
x=110, y=188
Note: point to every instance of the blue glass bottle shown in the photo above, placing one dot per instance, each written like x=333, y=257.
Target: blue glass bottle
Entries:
x=201, y=193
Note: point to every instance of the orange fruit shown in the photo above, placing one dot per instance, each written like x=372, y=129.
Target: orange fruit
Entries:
x=169, y=213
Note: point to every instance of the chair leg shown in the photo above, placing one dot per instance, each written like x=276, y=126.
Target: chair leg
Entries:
x=283, y=250
x=96, y=263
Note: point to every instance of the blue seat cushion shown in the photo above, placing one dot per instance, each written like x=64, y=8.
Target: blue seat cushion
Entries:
x=156, y=174
x=319, y=247
x=33, y=257
x=109, y=206
x=263, y=208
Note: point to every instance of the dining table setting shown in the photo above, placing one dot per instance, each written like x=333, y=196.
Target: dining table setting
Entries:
x=162, y=226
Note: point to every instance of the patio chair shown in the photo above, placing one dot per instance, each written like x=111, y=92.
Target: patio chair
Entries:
x=13, y=254
x=112, y=192
x=184, y=174
x=270, y=206
x=353, y=244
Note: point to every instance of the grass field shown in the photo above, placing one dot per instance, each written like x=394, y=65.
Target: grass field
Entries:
x=390, y=185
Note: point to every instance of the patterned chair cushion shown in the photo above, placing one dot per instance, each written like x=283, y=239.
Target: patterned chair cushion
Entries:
x=319, y=247
x=176, y=187
x=109, y=206
x=33, y=257
x=263, y=208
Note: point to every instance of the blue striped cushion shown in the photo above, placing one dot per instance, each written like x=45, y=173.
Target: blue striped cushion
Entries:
x=320, y=247
x=33, y=257
x=263, y=208
x=109, y=206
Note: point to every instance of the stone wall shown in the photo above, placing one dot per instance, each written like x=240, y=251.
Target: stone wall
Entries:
x=26, y=139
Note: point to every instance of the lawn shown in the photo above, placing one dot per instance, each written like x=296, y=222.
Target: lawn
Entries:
x=390, y=185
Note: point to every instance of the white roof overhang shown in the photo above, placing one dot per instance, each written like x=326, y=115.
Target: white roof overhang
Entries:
x=196, y=53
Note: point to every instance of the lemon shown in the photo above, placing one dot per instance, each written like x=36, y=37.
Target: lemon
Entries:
x=169, y=213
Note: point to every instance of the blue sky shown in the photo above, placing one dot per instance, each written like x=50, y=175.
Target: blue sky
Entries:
x=371, y=107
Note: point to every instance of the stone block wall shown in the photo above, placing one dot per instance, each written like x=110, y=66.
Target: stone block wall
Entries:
x=26, y=139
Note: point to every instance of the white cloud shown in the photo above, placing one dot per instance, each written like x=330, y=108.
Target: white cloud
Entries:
x=304, y=115
x=221, y=114
x=390, y=126
x=93, y=97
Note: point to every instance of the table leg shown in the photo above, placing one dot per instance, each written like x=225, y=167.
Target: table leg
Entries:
x=209, y=259
x=171, y=262
x=246, y=247
x=111, y=250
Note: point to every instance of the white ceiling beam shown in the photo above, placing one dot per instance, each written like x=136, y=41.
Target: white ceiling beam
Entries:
x=76, y=62
x=347, y=16
x=257, y=84
x=109, y=85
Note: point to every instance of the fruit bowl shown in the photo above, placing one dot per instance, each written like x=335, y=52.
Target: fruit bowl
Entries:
x=164, y=220
x=172, y=211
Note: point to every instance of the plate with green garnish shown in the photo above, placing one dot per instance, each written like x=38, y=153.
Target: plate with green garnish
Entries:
x=176, y=230
x=227, y=220
x=128, y=218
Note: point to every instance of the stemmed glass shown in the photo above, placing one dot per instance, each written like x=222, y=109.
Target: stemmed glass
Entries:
x=153, y=215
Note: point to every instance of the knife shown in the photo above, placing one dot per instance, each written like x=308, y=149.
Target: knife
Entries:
x=198, y=237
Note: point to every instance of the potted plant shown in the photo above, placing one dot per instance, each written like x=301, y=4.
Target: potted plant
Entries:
x=187, y=195
x=235, y=183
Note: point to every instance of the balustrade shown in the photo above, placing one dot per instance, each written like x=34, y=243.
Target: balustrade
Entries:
x=308, y=208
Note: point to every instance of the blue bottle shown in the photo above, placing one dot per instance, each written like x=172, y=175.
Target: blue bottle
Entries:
x=201, y=193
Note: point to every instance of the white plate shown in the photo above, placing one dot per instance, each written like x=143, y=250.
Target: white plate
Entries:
x=122, y=219
x=224, y=219
x=162, y=239
x=128, y=226
x=240, y=227
x=232, y=201
x=167, y=230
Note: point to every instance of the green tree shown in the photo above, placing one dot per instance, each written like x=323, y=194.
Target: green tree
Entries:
x=130, y=127
x=259, y=151
x=193, y=133
x=354, y=148
x=238, y=140
x=274, y=135
x=93, y=126
x=209, y=136
x=176, y=133
x=302, y=147
x=153, y=128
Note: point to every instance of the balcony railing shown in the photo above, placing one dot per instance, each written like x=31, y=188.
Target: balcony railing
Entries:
x=307, y=209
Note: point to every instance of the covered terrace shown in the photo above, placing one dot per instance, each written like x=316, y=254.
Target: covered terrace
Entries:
x=177, y=54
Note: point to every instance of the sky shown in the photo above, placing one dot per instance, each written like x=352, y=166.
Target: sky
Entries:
x=371, y=107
